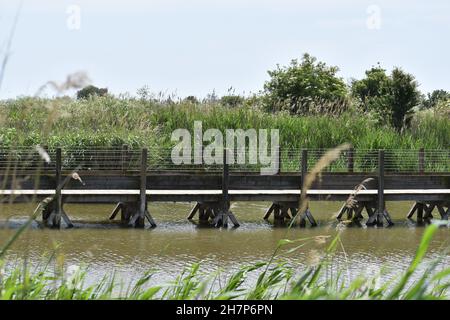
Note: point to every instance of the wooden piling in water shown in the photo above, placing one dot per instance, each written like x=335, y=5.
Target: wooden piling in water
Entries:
x=138, y=218
x=279, y=160
x=58, y=194
x=54, y=211
x=381, y=213
x=143, y=186
x=381, y=204
x=193, y=211
x=223, y=212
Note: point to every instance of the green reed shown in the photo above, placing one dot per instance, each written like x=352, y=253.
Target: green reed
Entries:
x=109, y=121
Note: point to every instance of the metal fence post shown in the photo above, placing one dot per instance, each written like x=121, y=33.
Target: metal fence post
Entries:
x=350, y=160
x=421, y=160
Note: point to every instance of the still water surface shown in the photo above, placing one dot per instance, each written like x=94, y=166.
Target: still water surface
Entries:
x=176, y=243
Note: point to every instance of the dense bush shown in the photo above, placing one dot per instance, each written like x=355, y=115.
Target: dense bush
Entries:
x=191, y=99
x=437, y=97
x=91, y=91
x=297, y=86
x=391, y=97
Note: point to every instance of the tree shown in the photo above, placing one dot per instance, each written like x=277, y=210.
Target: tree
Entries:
x=295, y=86
x=436, y=97
x=405, y=96
x=91, y=91
x=391, y=97
x=191, y=99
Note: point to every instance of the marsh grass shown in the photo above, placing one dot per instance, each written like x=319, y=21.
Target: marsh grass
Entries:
x=110, y=121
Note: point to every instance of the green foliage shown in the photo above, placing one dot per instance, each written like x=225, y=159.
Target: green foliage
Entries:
x=390, y=97
x=91, y=91
x=435, y=98
x=296, y=86
x=232, y=100
x=191, y=99
x=109, y=122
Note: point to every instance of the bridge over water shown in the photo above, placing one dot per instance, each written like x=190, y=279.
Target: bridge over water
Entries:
x=130, y=178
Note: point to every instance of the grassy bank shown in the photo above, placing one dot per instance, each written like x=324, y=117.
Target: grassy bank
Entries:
x=276, y=280
x=108, y=121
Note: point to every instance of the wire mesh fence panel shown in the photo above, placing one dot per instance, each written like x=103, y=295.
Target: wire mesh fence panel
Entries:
x=101, y=159
x=437, y=160
x=16, y=160
x=123, y=159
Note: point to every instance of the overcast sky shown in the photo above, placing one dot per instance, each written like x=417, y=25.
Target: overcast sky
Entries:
x=195, y=47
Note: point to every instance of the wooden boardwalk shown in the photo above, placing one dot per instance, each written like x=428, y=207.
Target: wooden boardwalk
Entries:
x=212, y=191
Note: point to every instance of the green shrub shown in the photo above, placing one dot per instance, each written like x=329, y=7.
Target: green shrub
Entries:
x=296, y=86
x=91, y=91
x=391, y=98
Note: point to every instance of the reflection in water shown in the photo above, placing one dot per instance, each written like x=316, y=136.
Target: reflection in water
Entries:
x=176, y=243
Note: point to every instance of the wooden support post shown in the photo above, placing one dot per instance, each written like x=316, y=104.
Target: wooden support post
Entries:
x=350, y=160
x=381, y=205
x=116, y=210
x=381, y=208
x=279, y=159
x=225, y=177
x=283, y=213
x=358, y=212
x=138, y=219
x=143, y=196
x=58, y=194
x=55, y=207
x=193, y=211
x=349, y=213
x=422, y=160
x=223, y=213
x=444, y=213
x=428, y=208
x=342, y=211
x=412, y=211
x=54, y=218
x=143, y=187
x=310, y=217
x=269, y=211
x=420, y=213
x=304, y=172
x=276, y=212
x=371, y=213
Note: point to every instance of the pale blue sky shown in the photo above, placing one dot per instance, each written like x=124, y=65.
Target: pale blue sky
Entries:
x=192, y=47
